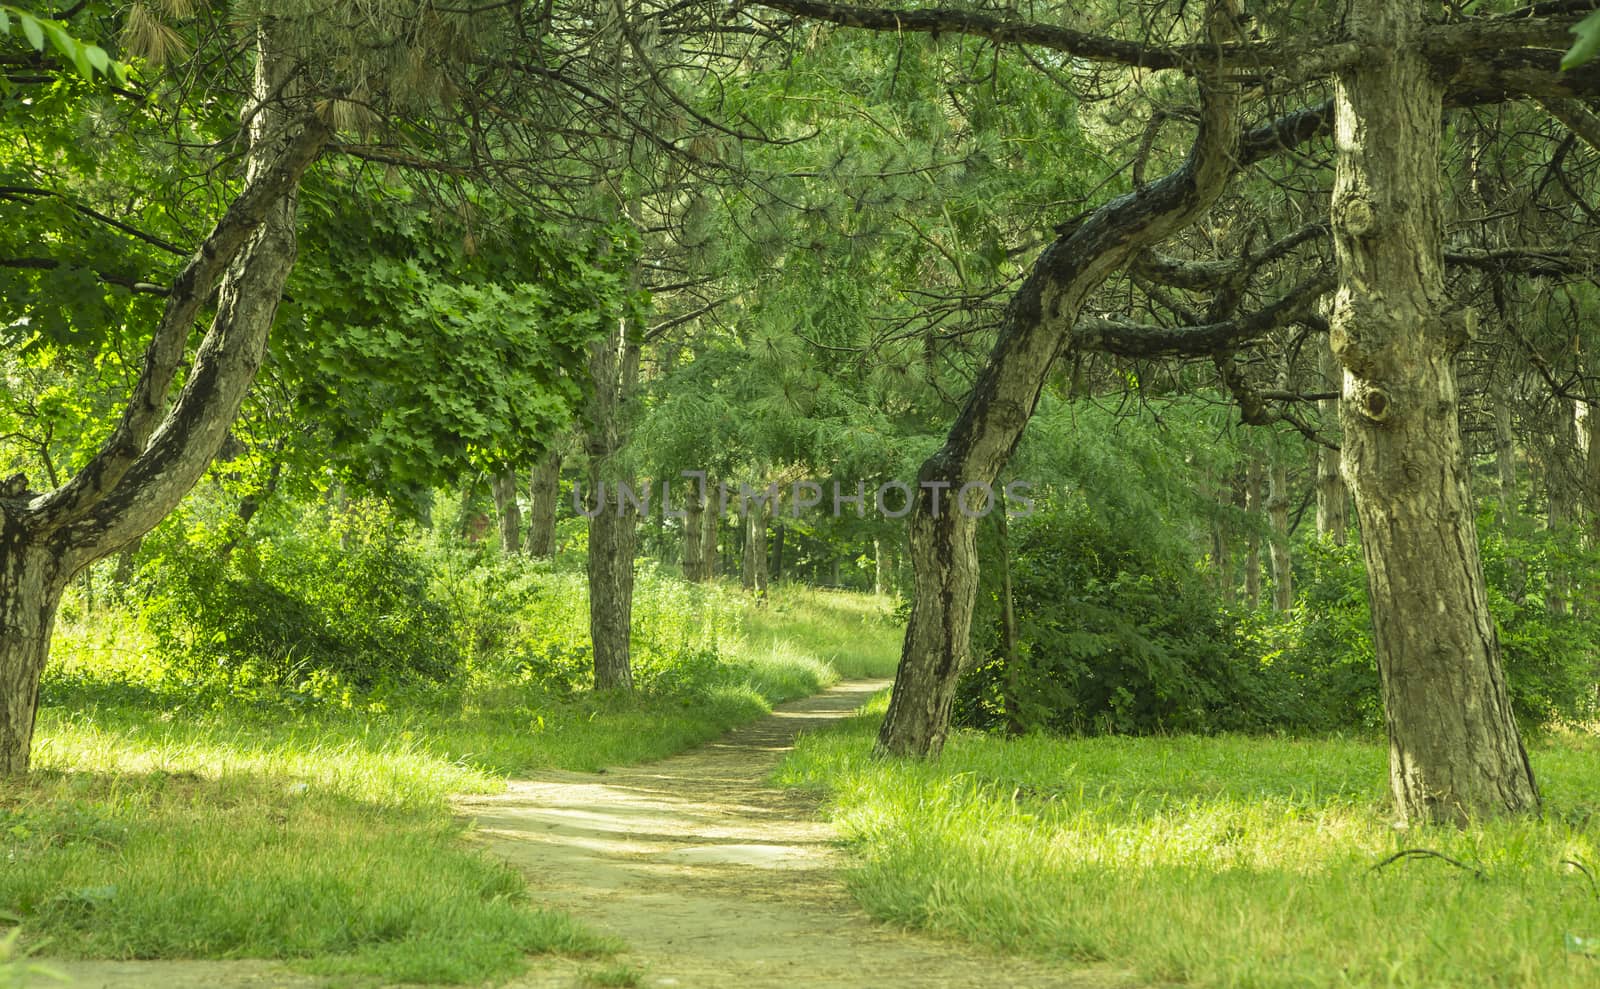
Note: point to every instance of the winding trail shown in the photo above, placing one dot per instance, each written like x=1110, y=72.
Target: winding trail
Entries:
x=712, y=878
x=716, y=880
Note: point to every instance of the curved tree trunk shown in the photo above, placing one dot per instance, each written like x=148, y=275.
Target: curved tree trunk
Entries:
x=156, y=454
x=1037, y=324
x=1453, y=745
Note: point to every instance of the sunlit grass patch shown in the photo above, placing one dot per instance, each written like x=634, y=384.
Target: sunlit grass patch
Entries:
x=1224, y=861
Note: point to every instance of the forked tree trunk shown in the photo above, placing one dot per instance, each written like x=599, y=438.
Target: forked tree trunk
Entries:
x=1453, y=745
x=1037, y=323
x=507, y=513
x=614, y=370
x=543, y=496
x=157, y=453
x=1278, y=514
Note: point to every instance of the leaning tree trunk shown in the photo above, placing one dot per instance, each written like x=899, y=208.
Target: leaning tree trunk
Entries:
x=157, y=453
x=614, y=370
x=1037, y=324
x=507, y=513
x=543, y=496
x=1453, y=745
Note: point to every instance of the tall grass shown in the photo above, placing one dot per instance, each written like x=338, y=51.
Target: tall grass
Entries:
x=1219, y=861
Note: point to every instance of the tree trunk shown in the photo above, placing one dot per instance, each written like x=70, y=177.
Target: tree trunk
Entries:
x=1453, y=745
x=31, y=584
x=161, y=447
x=1037, y=323
x=544, y=494
x=1278, y=513
x=1333, y=520
x=1011, y=678
x=880, y=568
x=1252, y=552
x=694, y=536
x=755, y=547
x=507, y=512
x=614, y=370
x=710, y=558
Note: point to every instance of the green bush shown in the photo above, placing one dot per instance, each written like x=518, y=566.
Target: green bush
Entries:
x=1117, y=632
x=342, y=599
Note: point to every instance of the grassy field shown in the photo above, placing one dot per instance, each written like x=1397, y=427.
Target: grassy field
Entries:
x=157, y=826
x=1241, y=862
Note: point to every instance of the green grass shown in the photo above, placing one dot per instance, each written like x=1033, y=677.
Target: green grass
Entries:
x=162, y=825
x=1241, y=862
x=853, y=635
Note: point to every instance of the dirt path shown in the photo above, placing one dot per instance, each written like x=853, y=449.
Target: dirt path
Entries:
x=713, y=879
x=718, y=881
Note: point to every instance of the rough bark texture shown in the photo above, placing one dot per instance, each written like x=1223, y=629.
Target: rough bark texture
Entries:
x=1454, y=750
x=614, y=369
x=1037, y=324
x=544, y=493
x=1278, y=515
x=157, y=453
x=1333, y=519
x=507, y=513
x=693, y=534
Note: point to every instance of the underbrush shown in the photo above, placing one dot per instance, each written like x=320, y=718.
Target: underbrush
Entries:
x=186, y=811
x=1217, y=861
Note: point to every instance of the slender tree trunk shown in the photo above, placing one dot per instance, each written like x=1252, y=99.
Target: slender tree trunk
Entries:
x=507, y=513
x=755, y=547
x=1453, y=745
x=1561, y=497
x=710, y=556
x=880, y=567
x=1011, y=679
x=1591, y=473
x=1333, y=520
x=544, y=494
x=1253, y=499
x=1038, y=321
x=614, y=370
x=1278, y=513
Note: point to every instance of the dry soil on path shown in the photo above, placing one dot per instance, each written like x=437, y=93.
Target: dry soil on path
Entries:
x=713, y=878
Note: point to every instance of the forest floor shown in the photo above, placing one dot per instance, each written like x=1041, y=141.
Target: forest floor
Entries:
x=711, y=877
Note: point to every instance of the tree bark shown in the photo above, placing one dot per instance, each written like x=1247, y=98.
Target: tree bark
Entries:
x=157, y=452
x=614, y=370
x=1453, y=745
x=755, y=547
x=1252, y=545
x=710, y=560
x=507, y=513
x=544, y=494
x=1278, y=514
x=880, y=568
x=1333, y=520
x=694, y=568
x=1037, y=323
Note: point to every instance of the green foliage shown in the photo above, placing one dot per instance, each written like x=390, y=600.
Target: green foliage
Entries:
x=1583, y=50
x=321, y=608
x=1115, y=635
x=88, y=59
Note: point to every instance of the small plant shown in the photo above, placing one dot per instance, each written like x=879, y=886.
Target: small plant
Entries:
x=624, y=976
